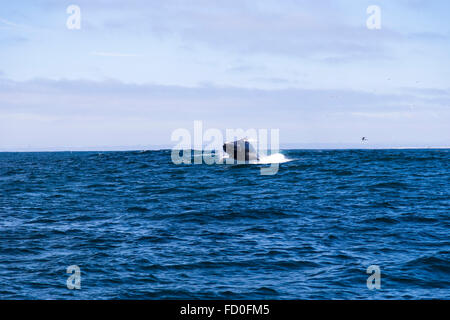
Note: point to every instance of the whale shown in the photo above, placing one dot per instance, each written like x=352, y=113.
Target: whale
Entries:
x=241, y=150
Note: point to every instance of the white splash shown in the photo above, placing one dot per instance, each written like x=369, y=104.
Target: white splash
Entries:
x=273, y=158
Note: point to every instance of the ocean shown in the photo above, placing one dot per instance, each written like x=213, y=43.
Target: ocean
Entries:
x=140, y=227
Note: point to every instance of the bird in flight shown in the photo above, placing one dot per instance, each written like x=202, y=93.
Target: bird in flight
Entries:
x=363, y=139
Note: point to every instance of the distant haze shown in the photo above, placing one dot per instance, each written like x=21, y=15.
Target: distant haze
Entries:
x=138, y=70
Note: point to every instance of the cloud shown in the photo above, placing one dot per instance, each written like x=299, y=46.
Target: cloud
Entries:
x=114, y=54
x=9, y=23
x=383, y=115
x=12, y=25
x=97, y=96
x=295, y=28
x=85, y=113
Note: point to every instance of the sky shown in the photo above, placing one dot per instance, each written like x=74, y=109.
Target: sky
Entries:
x=137, y=70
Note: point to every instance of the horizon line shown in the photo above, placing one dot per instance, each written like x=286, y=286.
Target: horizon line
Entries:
x=164, y=148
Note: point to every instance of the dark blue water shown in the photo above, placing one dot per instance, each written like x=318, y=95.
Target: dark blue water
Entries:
x=141, y=227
